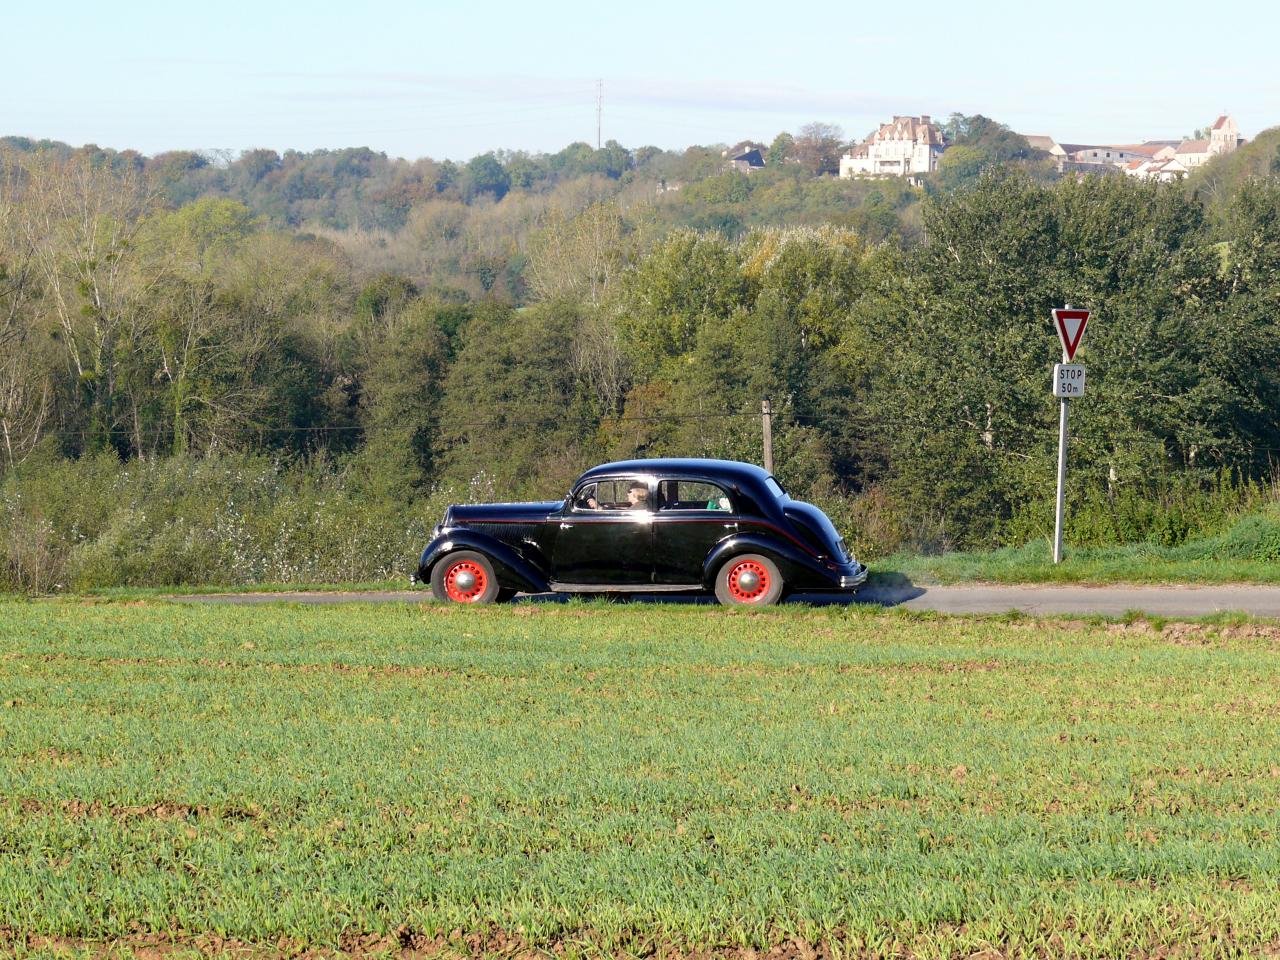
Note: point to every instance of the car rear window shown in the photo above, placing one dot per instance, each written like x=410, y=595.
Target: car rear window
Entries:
x=692, y=495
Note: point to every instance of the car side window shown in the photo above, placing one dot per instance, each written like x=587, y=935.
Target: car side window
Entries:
x=623, y=493
x=692, y=495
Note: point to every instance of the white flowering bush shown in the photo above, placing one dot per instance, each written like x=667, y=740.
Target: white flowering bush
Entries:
x=217, y=521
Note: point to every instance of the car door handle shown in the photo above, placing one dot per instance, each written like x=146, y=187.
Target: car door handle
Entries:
x=566, y=526
x=731, y=526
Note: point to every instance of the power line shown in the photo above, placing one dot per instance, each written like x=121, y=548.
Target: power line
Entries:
x=495, y=422
x=793, y=417
x=1095, y=445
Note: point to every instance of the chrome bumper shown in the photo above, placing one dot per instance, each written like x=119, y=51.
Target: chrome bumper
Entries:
x=857, y=580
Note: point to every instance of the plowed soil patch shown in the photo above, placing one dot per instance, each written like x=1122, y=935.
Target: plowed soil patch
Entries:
x=405, y=944
x=364, y=670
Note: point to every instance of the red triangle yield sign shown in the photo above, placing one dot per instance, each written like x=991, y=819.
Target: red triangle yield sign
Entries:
x=1070, y=324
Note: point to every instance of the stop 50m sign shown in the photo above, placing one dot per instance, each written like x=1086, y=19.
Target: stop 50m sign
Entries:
x=1068, y=380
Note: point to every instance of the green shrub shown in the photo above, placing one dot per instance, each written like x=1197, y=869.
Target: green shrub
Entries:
x=1167, y=514
x=1255, y=537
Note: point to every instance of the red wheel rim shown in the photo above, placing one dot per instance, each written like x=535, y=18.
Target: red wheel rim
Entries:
x=473, y=582
x=748, y=581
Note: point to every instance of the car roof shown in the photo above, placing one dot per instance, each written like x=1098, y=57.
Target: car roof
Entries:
x=681, y=466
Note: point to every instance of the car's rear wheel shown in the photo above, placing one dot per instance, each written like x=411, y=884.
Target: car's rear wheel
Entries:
x=465, y=577
x=749, y=580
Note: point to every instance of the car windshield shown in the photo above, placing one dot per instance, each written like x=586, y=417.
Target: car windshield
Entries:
x=774, y=487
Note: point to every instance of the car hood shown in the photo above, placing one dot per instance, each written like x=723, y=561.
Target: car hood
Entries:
x=807, y=514
x=462, y=514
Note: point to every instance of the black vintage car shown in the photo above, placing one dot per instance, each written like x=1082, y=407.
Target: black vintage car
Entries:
x=644, y=526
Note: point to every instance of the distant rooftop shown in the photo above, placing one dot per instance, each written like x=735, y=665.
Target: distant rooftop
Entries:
x=919, y=129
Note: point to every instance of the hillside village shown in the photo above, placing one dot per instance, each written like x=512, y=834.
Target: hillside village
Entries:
x=1151, y=160
x=911, y=147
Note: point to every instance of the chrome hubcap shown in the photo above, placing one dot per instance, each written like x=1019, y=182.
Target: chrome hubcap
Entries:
x=748, y=581
x=464, y=581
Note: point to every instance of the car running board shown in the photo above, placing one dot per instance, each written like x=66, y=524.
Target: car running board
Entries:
x=625, y=588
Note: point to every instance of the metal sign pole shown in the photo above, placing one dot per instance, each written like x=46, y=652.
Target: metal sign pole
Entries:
x=1068, y=381
x=1062, y=481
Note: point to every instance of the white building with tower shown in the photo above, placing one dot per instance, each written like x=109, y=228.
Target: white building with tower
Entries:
x=903, y=147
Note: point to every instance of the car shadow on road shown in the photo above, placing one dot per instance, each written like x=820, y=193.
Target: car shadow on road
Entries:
x=882, y=589
x=889, y=589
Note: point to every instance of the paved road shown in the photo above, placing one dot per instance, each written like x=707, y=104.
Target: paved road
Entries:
x=965, y=598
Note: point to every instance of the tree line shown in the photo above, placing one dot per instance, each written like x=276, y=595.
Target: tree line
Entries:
x=910, y=378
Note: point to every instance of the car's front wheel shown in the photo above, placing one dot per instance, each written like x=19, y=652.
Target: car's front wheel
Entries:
x=749, y=580
x=465, y=577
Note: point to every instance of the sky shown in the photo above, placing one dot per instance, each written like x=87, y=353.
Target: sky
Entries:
x=457, y=79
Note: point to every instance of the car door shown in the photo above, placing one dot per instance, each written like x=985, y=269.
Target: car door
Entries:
x=693, y=516
x=609, y=543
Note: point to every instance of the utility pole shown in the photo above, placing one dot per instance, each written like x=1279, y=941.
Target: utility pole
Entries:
x=766, y=417
x=599, y=111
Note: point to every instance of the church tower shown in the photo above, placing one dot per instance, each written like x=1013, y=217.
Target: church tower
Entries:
x=1224, y=136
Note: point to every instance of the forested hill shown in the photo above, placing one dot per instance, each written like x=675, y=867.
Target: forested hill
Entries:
x=462, y=229
x=186, y=346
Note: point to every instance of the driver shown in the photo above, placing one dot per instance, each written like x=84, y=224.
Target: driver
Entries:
x=637, y=498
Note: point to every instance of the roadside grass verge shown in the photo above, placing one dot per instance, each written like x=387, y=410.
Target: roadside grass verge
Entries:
x=599, y=778
x=1246, y=552
x=1033, y=563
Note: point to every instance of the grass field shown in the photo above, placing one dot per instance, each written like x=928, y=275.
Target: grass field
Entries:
x=588, y=779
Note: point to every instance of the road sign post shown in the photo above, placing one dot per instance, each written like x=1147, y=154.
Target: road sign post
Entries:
x=1062, y=481
x=1068, y=382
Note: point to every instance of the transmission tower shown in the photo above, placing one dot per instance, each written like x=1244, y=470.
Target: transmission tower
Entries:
x=599, y=110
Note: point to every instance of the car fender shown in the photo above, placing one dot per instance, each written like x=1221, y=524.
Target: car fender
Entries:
x=797, y=567
x=513, y=570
